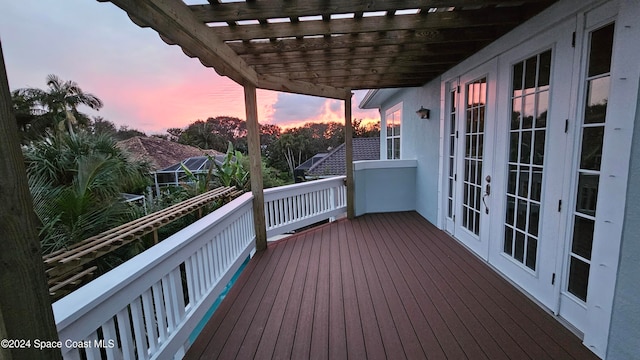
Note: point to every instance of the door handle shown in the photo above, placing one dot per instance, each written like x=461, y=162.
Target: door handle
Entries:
x=487, y=192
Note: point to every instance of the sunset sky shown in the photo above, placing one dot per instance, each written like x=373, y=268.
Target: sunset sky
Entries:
x=143, y=82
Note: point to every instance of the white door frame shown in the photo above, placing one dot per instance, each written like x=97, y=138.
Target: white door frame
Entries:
x=480, y=243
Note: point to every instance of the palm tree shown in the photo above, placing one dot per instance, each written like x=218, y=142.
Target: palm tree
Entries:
x=76, y=181
x=60, y=103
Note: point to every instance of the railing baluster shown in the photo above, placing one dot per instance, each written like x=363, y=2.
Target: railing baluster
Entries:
x=138, y=329
x=110, y=336
x=161, y=312
x=168, y=305
x=177, y=294
x=150, y=320
x=92, y=352
x=124, y=330
x=201, y=274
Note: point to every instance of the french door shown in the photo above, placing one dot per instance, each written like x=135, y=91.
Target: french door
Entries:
x=530, y=165
x=469, y=181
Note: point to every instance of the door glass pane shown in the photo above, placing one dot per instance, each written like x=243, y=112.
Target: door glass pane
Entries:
x=600, y=53
x=544, y=69
x=474, y=137
x=578, y=278
x=582, y=237
x=597, y=96
x=542, y=108
x=588, y=173
x=532, y=248
x=526, y=148
x=587, y=194
x=516, y=113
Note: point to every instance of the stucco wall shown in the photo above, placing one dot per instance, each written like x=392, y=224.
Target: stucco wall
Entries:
x=384, y=186
x=624, y=337
x=420, y=142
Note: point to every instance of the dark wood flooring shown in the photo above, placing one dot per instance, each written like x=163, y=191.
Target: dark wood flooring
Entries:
x=382, y=286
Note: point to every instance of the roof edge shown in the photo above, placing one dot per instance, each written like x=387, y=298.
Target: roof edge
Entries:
x=376, y=97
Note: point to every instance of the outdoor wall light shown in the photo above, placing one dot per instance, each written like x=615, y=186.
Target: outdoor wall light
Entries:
x=423, y=113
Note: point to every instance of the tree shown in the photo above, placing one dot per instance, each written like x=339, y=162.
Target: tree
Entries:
x=269, y=133
x=124, y=133
x=214, y=133
x=60, y=103
x=365, y=130
x=25, y=306
x=100, y=125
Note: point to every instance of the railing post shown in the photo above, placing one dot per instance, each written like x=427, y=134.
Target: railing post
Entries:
x=255, y=165
x=332, y=201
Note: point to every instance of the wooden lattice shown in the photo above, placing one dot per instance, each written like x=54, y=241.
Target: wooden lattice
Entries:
x=67, y=268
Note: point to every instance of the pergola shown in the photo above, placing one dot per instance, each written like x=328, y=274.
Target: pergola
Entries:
x=327, y=48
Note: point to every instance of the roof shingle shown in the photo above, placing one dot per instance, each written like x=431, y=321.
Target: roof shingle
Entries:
x=335, y=164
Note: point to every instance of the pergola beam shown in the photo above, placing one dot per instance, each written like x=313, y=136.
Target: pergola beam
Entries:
x=432, y=21
x=450, y=37
x=410, y=51
x=276, y=83
x=262, y=10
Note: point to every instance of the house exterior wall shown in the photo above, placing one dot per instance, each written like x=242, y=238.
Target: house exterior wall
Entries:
x=625, y=319
x=420, y=142
x=612, y=324
x=392, y=181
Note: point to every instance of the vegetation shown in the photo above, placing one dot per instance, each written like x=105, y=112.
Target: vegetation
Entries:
x=232, y=172
x=283, y=150
x=76, y=181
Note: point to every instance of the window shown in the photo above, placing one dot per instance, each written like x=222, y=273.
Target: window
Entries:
x=588, y=172
x=393, y=119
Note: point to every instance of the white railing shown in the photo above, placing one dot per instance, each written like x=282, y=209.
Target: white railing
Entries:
x=295, y=206
x=148, y=306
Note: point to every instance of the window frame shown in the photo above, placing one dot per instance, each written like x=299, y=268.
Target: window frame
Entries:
x=393, y=124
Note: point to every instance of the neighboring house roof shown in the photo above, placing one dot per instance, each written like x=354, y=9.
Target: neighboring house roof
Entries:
x=334, y=163
x=161, y=153
x=195, y=163
x=309, y=163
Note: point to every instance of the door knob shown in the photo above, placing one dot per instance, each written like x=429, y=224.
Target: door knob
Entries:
x=487, y=192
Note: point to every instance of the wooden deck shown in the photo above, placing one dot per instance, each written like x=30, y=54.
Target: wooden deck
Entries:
x=381, y=286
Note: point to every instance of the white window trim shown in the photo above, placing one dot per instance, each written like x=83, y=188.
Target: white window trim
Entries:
x=387, y=114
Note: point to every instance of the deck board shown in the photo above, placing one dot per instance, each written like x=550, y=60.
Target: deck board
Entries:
x=380, y=286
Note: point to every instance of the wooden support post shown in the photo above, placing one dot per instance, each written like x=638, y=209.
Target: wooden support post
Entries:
x=348, y=137
x=25, y=306
x=255, y=166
